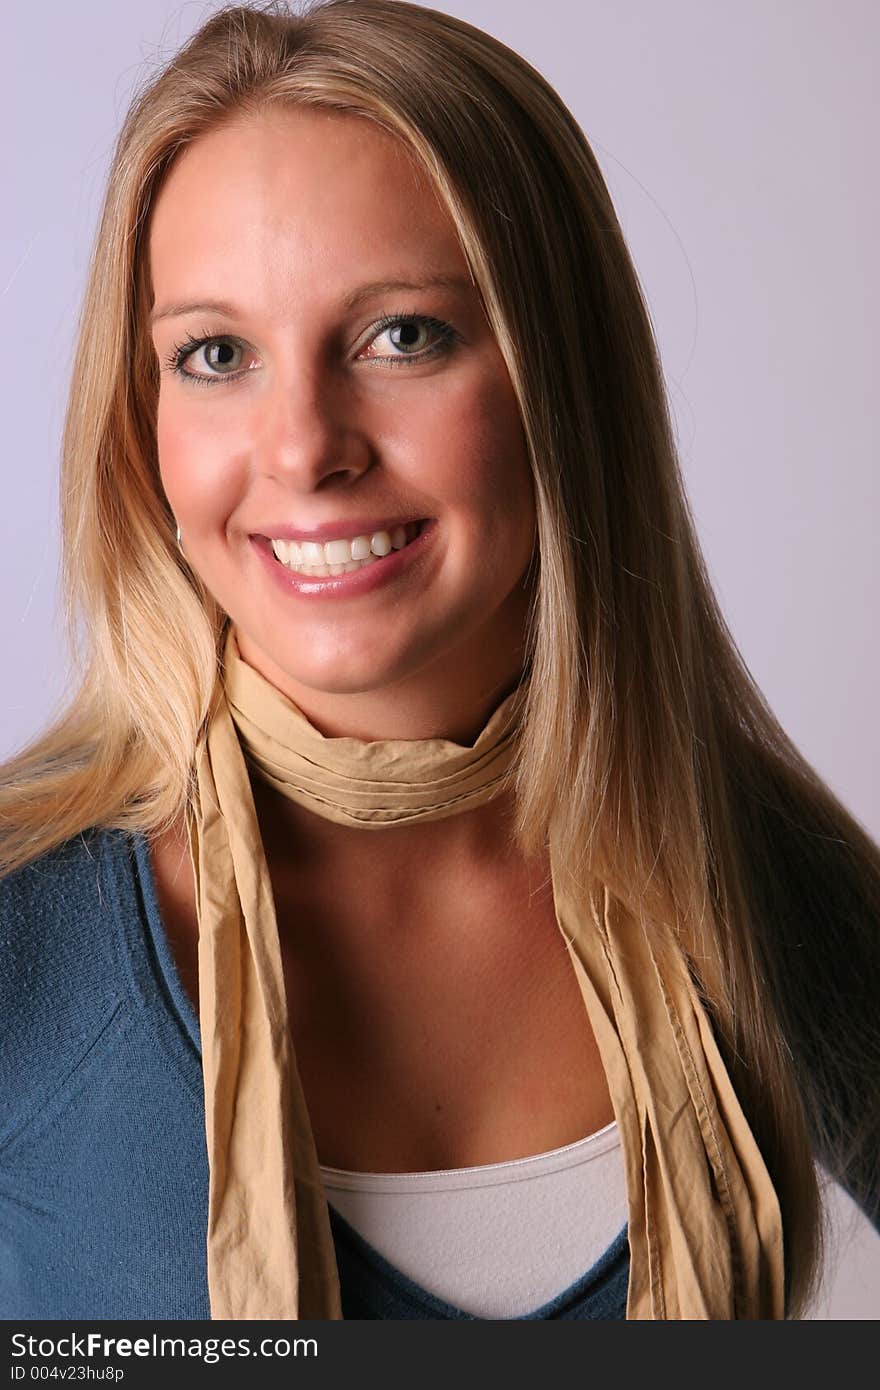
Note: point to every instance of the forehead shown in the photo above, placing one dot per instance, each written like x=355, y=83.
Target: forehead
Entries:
x=291, y=202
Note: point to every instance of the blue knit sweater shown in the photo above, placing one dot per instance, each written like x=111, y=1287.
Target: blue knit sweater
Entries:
x=103, y=1165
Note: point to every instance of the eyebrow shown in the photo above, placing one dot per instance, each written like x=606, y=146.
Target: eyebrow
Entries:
x=350, y=301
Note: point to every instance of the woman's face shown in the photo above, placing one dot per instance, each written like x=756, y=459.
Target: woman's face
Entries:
x=278, y=244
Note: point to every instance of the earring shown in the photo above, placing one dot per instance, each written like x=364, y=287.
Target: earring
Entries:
x=179, y=546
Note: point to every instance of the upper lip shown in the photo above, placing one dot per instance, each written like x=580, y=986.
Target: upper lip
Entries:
x=331, y=530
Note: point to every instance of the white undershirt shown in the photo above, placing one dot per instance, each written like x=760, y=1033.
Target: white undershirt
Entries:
x=498, y=1240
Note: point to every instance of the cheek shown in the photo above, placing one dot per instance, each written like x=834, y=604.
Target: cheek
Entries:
x=197, y=466
x=480, y=454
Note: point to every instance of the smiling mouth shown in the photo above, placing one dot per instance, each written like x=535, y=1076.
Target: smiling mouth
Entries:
x=315, y=560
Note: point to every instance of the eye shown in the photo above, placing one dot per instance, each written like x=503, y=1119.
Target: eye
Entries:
x=414, y=337
x=221, y=356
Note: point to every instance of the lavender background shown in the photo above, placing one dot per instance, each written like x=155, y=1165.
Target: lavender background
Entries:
x=739, y=145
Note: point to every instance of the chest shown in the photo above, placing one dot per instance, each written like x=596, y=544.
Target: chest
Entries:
x=466, y=1046
x=443, y=1029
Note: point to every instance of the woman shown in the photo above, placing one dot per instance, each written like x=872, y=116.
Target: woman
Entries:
x=468, y=835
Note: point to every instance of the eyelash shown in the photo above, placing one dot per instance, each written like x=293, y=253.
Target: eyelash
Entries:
x=446, y=334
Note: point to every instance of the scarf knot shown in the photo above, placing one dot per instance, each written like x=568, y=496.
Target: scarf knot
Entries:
x=356, y=782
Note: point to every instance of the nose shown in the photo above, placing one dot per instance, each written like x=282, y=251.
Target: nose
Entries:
x=306, y=433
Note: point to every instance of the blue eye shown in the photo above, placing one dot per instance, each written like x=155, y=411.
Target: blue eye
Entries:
x=411, y=326
x=222, y=356
x=225, y=351
x=220, y=353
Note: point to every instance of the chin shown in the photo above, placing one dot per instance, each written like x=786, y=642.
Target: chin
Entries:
x=311, y=661
x=357, y=677
x=327, y=685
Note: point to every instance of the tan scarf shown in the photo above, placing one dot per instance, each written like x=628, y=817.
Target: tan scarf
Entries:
x=704, y=1223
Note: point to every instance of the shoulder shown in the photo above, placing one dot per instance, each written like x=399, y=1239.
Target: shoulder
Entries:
x=49, y=907
x=61, y=982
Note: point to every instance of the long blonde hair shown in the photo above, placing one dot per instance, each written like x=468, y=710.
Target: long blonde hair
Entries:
x=681, y=788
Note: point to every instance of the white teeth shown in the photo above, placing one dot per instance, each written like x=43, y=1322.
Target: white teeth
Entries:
x=337, y=552
x=343, y=556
